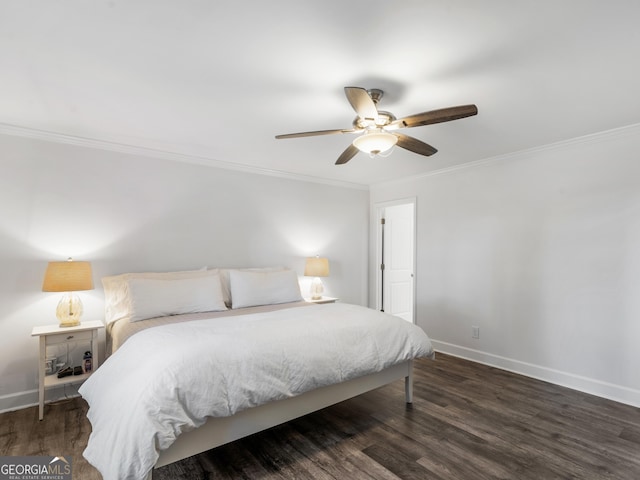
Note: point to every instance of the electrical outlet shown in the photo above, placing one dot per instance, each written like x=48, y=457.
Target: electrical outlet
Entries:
x=475, y=332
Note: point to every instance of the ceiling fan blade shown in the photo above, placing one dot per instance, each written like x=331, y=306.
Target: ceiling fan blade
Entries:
x=319, y=132
x=362, y=103
x=347, y=155
x=414, y=145
x=434, y=116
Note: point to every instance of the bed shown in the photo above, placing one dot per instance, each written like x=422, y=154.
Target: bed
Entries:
x=187, y=374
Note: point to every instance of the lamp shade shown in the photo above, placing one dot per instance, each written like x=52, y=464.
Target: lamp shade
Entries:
x=375, y=142
x=316, y=267
x=67, y=276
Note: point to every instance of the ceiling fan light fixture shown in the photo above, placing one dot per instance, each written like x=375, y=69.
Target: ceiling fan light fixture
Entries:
x=374, y=126
x=375, y=142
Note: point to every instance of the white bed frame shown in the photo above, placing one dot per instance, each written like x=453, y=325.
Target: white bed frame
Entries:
x=218, y=431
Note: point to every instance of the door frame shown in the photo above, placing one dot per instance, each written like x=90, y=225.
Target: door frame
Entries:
x=379, y=210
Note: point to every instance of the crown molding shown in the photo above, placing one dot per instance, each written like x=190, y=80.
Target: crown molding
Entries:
x=54, y=137
x=17, y=131
x=626, y=131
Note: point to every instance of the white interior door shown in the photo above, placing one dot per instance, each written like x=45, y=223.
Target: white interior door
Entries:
x=398, y=260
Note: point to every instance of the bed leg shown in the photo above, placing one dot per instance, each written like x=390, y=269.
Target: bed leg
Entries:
x=408, y=384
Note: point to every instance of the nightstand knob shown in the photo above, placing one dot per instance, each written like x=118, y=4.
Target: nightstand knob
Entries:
x=69, y=337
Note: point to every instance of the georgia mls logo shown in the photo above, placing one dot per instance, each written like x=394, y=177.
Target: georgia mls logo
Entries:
x=35, y=468
x=60, y=465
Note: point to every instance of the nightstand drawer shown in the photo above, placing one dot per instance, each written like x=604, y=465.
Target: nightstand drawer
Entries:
x=69, y=337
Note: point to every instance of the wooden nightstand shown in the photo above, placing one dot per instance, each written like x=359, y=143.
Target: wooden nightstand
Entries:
x=55, y=335
x=322, y=300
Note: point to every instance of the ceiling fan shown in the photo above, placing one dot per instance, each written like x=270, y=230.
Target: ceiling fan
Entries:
x=377, y=127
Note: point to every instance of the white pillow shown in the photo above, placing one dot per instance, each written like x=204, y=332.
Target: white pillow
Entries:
x=117, y=303
x=151, y=297
x=226, y=286
x=249, y=289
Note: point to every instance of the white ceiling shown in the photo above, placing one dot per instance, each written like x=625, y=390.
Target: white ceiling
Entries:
x=218, y=80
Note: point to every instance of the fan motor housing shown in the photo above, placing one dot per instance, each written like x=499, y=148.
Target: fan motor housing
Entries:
x=384, y=118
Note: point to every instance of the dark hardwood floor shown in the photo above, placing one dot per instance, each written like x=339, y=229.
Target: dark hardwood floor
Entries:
x=468, y=421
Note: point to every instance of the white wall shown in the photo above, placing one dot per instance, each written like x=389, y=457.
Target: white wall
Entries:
x=541, y=250
x=128, y=212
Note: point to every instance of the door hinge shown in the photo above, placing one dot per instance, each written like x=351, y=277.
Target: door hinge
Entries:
x=382, y=266
x=382, y=221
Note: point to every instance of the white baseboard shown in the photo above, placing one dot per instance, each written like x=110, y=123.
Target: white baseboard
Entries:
x=592, y=386
x=18, y=401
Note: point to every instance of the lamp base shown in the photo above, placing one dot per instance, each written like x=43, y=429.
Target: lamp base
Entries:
x=69, y=324
x=317, y=289
x=69, y=310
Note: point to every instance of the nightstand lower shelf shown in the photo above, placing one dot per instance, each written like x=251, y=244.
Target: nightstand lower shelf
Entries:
x=51, y=381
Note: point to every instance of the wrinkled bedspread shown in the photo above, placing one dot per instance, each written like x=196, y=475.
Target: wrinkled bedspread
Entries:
x=169, y=379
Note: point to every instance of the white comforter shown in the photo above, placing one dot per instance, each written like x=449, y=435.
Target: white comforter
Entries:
x=169, y=379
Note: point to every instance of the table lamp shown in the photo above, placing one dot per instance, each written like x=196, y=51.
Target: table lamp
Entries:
x=68, y=277
x=316, y=267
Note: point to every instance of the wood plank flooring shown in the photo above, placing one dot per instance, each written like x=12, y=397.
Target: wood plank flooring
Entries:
x=468, y=421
